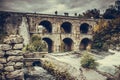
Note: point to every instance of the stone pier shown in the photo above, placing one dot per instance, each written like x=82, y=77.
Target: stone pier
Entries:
x=11, y=58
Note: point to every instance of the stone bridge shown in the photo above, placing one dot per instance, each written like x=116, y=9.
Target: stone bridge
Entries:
x=60, y=32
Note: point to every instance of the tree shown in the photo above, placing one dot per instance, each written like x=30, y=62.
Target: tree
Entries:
x=110, y=13
x=95, y=13
x=113, y=11
x=107, y=36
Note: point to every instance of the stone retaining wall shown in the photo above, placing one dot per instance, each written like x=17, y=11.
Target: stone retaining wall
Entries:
x=11, y=58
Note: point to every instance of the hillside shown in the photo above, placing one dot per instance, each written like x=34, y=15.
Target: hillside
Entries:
x=108, y=36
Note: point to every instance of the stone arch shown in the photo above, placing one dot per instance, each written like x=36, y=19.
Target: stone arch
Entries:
x=66, y=27
x=68, y=44
x=47, y=25
x=49, y=43
x=36, y=63
x=85, y=44
x=84, y=28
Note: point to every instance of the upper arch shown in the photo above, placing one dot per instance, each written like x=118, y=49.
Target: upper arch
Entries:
x=47, y=25
x=66, y=27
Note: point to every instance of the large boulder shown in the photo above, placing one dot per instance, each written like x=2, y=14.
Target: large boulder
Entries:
x=14, y=53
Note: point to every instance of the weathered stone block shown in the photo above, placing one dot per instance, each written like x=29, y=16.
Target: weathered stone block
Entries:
x=18, y=65
x=13, y=39
x=1, y=66
x=9, y=68
x=15, y=74
x=2, y=53
x=0, y=46
x=6, y=47
x=28, y=63
x=29, y=55
x=14, y=53
x=3, y=60
x=18, y=46
x=15, y=58
x=10, y=63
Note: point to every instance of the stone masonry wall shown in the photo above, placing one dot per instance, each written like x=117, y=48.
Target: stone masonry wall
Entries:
x=11, y=58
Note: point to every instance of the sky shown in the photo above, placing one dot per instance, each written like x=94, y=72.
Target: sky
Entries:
x=50, y=6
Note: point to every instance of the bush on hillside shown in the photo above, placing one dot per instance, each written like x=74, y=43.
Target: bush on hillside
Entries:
x=87, y=61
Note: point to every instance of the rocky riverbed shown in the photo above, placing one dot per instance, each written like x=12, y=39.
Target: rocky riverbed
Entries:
x=66, y=66
x=38, y=73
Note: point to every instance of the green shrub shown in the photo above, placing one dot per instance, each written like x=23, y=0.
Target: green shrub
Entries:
x=87, y=61
x=35, y=38
x=36, y=44
x=52, y=68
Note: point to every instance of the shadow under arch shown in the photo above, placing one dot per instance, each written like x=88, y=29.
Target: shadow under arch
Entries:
x=85, y=44
x=66, y=27
x=47, y=25
x=49, y=43
x=67, y=44
x=84, y=28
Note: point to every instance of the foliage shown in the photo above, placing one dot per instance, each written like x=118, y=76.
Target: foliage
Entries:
x=112, y=12
x=87, y=61
x=95, y=13
x=108, y=35
x=100, y=25
x=35, y=45
x=52, y=68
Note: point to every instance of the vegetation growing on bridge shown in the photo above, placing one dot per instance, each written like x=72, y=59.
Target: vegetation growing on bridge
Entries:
x=36, y=45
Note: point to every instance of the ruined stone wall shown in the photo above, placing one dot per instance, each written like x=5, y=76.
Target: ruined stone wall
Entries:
x=11, y=58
